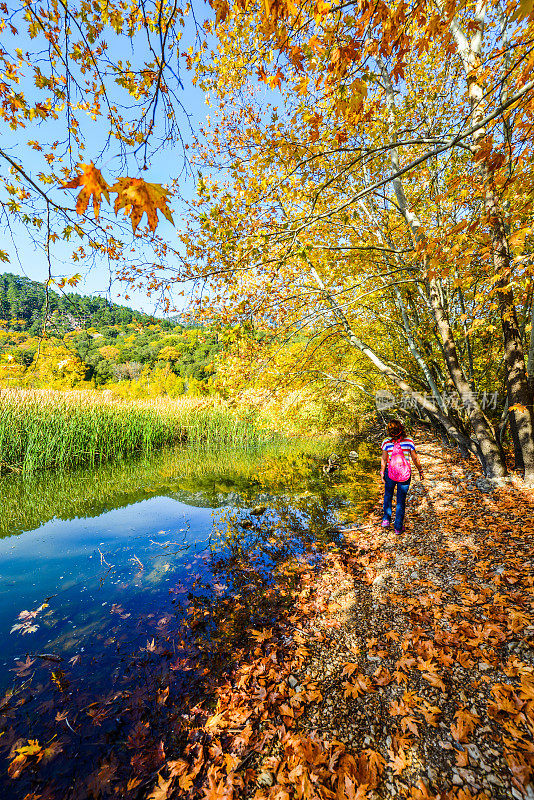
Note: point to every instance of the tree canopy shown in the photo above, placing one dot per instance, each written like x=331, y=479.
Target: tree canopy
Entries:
x=364, y=179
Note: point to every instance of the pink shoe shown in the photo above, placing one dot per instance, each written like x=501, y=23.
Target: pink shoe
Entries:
x=398, y=532
x=385, y=523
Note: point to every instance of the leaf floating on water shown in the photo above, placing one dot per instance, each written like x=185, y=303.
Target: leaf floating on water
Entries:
x=58, y=676
x=118, y=609
x=22, y=754
x=163, y=696
x=22, y=668
x=26, y=625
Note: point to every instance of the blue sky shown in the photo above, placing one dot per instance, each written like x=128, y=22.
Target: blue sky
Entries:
x=26, y=258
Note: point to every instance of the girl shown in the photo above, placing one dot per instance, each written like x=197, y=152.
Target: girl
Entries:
x=396, y=450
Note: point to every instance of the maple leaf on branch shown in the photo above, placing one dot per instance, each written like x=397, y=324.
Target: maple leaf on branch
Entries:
x=93, y=185
x=137, y=197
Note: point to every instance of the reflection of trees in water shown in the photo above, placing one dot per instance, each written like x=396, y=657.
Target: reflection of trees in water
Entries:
x=196, y=477
x=255, y=555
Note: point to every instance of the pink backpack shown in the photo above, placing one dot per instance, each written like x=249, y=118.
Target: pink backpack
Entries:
x=399, y=468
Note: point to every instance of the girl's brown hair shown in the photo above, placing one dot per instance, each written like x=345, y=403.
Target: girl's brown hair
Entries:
x=396, y=429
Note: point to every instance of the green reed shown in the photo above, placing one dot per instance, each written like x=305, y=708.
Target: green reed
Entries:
x=47, y=429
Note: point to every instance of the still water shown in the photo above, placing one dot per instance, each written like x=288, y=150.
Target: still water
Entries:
x=91, y=561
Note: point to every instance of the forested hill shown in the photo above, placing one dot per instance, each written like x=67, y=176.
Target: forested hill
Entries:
x=22, y=304
x=91, y=343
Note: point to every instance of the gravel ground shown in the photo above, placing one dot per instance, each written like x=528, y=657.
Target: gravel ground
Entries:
x=402, y=667
x=426, y=659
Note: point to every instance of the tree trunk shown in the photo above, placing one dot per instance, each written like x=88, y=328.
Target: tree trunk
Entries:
x=482, y=446
x=518, y=389
x=490, y=453
x=495, y=466
x=530, y=362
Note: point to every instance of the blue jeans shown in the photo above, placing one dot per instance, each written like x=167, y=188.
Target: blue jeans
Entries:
x=402, y=491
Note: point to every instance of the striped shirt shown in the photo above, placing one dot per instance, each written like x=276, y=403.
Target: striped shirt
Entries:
x=407, y=444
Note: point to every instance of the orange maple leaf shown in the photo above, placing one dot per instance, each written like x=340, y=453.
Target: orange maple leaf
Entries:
x=137, y=197
x=398, y=762
x=93, y=185
x=382, y=676
x=430, y=713
x=370, y=766
x=420, y=792
x=465, y=724
x=410, y=723
x=162, y=790
x=262, y=636
x=527, y=687
x=434, y=680
x=518, y=407
x=350, y=792
x=286, y=710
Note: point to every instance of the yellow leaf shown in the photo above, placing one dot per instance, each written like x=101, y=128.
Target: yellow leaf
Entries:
x=93, y=185
x=31, y=749
x=137, y=197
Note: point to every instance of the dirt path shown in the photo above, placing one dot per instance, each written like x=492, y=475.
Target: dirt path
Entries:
x=426, y=668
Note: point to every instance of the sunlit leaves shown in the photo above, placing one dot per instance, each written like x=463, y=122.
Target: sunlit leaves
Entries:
x=134, y=195
x=31, y=753
x=465, y=724
x=93, y=187
x=26, y=618
x=524, y=9
x=137, y=197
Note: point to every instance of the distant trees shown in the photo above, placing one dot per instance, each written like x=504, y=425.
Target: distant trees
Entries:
x=23, y=302
x=92, y=343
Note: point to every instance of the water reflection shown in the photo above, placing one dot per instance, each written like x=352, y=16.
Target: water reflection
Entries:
x=207, y=479
x=120, y=534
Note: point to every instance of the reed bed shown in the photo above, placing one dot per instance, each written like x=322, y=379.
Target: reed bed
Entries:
x=43, y=429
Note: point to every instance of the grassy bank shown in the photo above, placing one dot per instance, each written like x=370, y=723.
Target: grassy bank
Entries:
x=45, y=429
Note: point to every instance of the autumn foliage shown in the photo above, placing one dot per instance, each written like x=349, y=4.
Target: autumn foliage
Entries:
x=363, y=197
x=363, y=176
